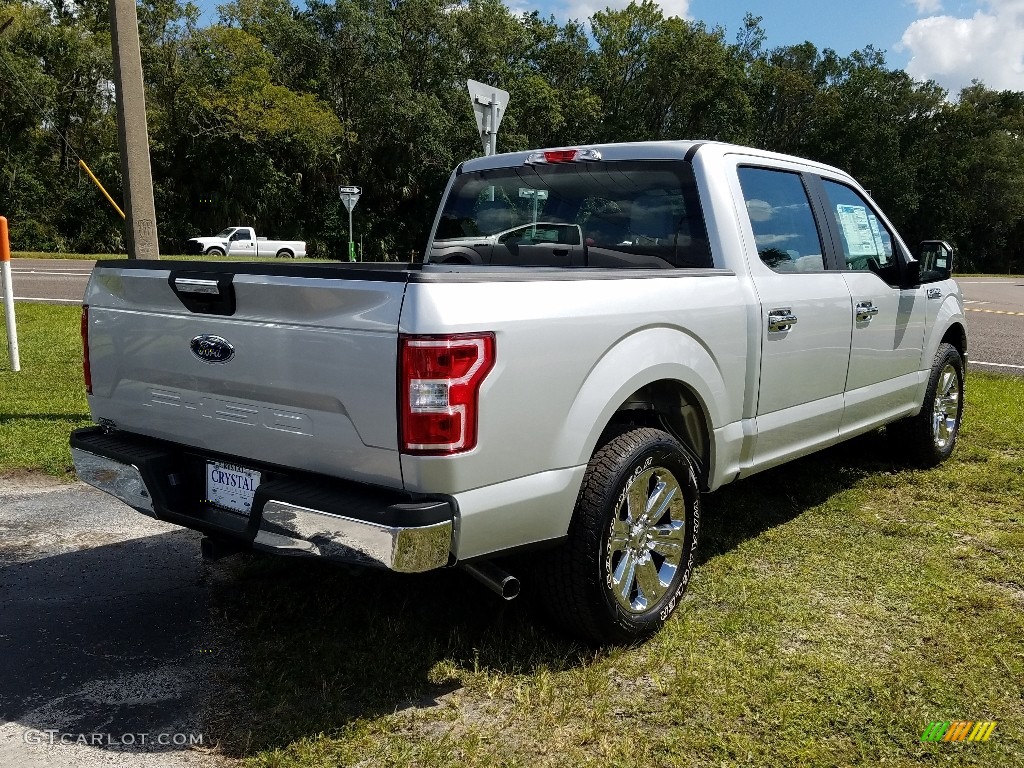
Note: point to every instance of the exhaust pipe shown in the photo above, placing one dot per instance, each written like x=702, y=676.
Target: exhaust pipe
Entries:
x=494, y=578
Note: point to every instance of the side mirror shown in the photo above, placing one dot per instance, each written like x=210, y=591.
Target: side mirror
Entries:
x=935, y=259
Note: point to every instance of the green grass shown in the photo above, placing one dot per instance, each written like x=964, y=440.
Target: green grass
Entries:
x=843, y=602
x=45, y=400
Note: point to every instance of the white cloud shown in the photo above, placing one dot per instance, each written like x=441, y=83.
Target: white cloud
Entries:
x=989, y=46
x=584, y=9
x=926, y=6
x=519, y=7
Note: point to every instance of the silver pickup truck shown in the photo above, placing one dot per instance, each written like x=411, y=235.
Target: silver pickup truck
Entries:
x=595, y=336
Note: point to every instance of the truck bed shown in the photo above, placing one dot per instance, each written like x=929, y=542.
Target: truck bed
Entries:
x=311, y=380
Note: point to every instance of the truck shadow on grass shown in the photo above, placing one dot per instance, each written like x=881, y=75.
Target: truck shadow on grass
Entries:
x=745, y=509
x=318, y=647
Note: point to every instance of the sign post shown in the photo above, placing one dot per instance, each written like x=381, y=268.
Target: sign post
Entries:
x=536, y=195
x=5, y=268
x=349, y=197
x=489, y=105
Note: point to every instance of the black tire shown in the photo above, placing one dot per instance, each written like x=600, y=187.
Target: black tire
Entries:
x=930, y=437
x=285, y=254
x=611, y=583
x=215, y=251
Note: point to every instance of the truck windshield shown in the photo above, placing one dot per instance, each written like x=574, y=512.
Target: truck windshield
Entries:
x=226, y=232
x=598, y=214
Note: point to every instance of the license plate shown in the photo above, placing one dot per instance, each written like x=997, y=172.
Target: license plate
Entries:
x=231, y=486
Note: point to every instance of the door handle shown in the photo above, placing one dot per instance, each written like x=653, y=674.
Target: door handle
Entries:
x=865, y=311
x=560, y=251
x=780, y=320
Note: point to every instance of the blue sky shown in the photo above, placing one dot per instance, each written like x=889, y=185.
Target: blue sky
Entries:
x=826, y=24
x=950, y=41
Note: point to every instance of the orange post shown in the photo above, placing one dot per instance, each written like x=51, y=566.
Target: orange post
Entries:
x=5, y=241
x=5, y=273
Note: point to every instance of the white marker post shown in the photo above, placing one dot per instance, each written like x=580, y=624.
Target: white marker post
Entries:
x=5, y=268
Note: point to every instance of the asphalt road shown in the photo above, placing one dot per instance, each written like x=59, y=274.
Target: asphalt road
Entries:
x=103, y=634
x=995, y=323
x=995, y=307
x=54, y=281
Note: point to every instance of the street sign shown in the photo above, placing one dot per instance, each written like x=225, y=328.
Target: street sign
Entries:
x=350, y=196
x=488, y=108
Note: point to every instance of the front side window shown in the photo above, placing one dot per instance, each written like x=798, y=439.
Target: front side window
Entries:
x=782, y=221
x=865, y=241
x=593, y=213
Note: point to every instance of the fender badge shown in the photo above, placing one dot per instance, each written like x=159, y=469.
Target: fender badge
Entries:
x=212, y=349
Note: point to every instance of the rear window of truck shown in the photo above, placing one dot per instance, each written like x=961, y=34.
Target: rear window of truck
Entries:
x=626, y=214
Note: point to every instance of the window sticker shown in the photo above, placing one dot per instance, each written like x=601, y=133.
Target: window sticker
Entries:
x=860, y=238
x=877, y=232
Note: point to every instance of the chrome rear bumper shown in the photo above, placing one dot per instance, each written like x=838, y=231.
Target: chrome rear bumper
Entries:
x=409, y=538
x=293, y=530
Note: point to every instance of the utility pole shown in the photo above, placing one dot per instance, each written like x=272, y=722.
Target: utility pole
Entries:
x=132, y=132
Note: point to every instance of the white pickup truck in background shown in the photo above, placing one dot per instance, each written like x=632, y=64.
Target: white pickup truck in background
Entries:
x=596, y=336
x=242, y=241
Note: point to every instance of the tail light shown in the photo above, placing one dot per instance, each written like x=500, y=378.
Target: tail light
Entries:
x=562, y=156
x=439, y=381
x=86, y=369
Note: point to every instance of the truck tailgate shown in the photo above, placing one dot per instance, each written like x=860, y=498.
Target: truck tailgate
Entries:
x=292, y=366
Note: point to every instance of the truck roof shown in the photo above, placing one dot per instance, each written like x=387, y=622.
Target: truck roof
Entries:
x=644, y=150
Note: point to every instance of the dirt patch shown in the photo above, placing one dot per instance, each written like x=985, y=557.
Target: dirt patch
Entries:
x=1016, y=591
x=20, y=481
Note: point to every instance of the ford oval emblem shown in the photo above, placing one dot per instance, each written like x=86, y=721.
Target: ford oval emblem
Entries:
x=212, y=349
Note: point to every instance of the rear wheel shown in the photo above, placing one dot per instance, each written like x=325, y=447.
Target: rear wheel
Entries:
x=930, y=437
x=285, y=254
x=632, y=542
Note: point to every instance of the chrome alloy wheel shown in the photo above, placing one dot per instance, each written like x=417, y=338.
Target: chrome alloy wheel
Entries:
x=946, y=410
x=646, y=540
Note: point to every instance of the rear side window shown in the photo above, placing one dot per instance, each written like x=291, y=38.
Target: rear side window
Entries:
x=780, y=215
x=600, y=214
